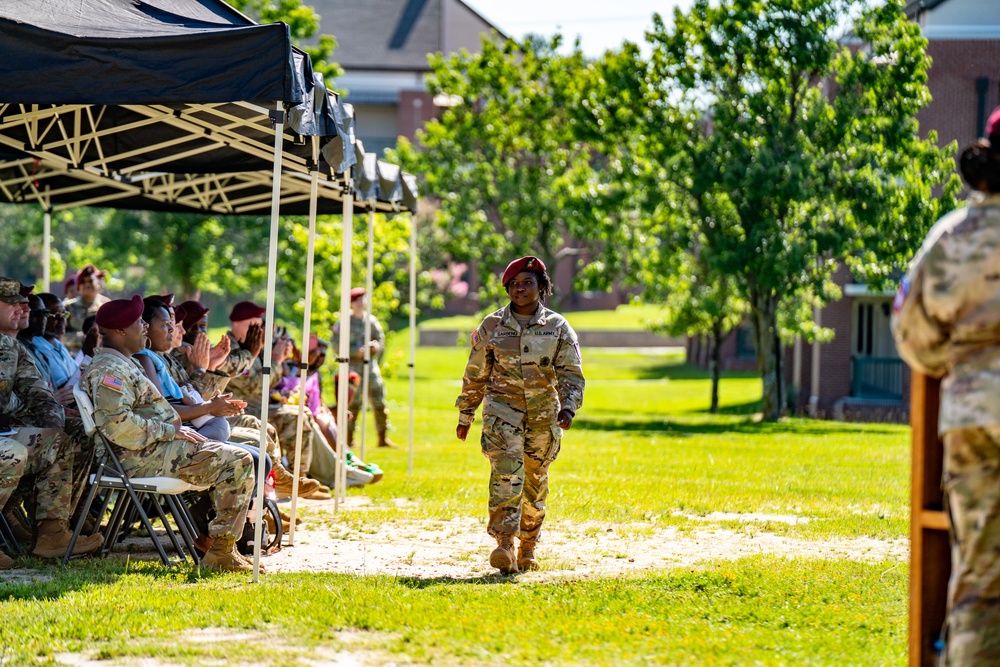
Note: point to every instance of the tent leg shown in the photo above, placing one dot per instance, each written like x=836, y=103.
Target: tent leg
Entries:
x=413, y=331
x=47, y=249
x=344, y=345
x=306, y=323
x=366, y=377
x=272, y=270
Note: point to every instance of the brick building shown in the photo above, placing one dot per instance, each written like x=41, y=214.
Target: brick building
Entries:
x=859, y=375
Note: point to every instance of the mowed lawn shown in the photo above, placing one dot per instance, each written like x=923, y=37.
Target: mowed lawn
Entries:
x=643, y=450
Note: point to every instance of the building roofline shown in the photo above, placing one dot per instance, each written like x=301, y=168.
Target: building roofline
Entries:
x=485, y=20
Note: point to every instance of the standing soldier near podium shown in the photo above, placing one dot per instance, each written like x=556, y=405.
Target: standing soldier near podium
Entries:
x=946, y=320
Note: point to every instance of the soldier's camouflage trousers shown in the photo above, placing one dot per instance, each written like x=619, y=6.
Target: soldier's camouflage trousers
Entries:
x=226, y=469
x=245, y=429
x=376, y=401
x=519, y=474
x=971, y=480
x=284, y=417
x=47, y=454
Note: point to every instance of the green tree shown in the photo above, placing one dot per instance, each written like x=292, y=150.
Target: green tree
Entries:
x=812, y=145
x=503, y=162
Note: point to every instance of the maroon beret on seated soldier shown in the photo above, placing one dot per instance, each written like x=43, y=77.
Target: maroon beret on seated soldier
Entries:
x=993, y=125
x=166, y=299
x=357, y=293
x=193, y=312
x=10, y=291
x=26, y=290
x=120, y=313
x=245, y=310
x=527, y=263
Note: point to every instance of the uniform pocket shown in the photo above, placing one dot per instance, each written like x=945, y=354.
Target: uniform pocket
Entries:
x=492, y=440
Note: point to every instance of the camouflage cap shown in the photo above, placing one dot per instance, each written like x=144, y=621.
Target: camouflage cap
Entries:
x=10, y=291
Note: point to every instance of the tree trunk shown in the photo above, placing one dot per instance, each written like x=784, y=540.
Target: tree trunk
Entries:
x=764, y=328
x=714, y=366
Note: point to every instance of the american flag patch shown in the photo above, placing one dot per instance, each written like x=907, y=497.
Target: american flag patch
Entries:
x=475, y=338
x=112, y=382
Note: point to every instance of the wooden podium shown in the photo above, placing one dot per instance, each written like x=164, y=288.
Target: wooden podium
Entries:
x=930, y=553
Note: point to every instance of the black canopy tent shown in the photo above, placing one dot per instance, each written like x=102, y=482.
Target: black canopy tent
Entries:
x=174, y=105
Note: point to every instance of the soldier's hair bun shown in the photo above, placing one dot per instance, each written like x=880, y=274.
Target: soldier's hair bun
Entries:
x=980, y=165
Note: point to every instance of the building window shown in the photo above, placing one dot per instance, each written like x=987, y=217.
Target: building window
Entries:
x=865, y=320
x=744, y=344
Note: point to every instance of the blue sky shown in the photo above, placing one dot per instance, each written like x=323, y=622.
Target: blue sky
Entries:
x=600, y=24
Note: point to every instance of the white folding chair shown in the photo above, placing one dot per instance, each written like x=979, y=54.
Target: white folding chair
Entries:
x=111, y=476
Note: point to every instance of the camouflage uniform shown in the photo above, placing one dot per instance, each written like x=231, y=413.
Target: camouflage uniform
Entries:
x=946, y=321
x=140, y=423
x=208, y=383
x=76, y=312
x=42, y=448
x=246, y=385
x=376, y=386
x=523, y=378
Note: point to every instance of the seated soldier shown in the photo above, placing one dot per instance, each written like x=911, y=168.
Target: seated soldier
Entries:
x=245, y=364
x=193, y=359
x=33, y=441
x=148, y=436
x=62, y=367
x=34, y=328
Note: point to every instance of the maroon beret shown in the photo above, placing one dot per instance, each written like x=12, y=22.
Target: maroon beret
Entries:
x=179, y=313
x=166, y=299
x=357, y=293
x=26, y=289
x=89, y=270
x=120, y=313
x=529, y=263
x=245, y=310
x=993, y=124
x=193, y=312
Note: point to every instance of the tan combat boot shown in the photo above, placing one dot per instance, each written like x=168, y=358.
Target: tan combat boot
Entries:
x=526, y=554
x=502, y=557
x=283, y=483
x=223, y=556
x=6, y=562
x=54, y=537
x=21, y=532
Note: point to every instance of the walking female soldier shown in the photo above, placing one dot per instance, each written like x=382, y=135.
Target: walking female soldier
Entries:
x=525, y=368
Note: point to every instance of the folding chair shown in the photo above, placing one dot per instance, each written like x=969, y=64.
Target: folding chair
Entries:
x=11, y=547
x=111, y=476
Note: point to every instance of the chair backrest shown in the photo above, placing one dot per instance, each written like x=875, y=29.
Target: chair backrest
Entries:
x=86, y=409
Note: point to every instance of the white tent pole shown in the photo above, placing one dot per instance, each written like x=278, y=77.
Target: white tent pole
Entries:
x=413, y=330
x=306, y=322
x=265, y=390
x=47, y=244
x=366, y=377
x=344, y=345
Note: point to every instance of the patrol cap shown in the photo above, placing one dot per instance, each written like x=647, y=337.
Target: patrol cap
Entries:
x=357, y=293
x=190, y=312
x=245, y=310
x=119, y=313
x=527, y=263
x=26, y=290
x=10, y=291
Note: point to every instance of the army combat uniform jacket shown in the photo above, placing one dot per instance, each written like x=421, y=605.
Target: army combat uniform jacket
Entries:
x=946, y=317
x=520, y=374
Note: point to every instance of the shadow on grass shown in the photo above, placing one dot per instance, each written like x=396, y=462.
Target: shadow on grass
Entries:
x=750, y=426
x=493, y=579
x=673, y=370
x=41, y=579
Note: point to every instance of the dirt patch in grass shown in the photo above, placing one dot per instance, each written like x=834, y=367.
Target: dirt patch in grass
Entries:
x=460, y=548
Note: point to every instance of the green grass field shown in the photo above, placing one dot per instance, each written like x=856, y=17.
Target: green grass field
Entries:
x=642, y=450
